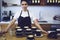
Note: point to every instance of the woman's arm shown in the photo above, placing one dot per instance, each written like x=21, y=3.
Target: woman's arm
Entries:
x=10, y=25
x=37, y=24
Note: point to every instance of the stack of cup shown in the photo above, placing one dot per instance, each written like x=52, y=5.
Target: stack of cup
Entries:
x=34, y=29
x=58, y=32
x=30, y=37
x=28, y=31
x=38, y=33
x=19, y=32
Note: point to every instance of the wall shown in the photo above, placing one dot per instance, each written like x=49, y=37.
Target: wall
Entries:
x=13, y=1
x=41, y=12
x=0, y=10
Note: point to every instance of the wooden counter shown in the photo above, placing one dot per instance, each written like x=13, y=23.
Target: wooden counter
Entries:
x=9, y=37
x=44, y=26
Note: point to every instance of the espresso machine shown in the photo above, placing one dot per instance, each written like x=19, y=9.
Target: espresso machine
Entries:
x=7, y=16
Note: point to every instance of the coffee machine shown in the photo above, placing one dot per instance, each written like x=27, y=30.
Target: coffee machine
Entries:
x=7, y=16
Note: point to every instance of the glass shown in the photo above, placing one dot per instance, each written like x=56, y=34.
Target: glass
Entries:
x=38, y=1
x=32, y=1
x=2, y=36
x=58, y=1
x=47, y=1
x=12, y=32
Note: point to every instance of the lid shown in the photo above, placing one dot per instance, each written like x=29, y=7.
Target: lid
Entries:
x=30, y=35
x=38, y=30
x=33, y=27
x=19, y=29
x=28, y=29
x=50, y=31
x=58, y=29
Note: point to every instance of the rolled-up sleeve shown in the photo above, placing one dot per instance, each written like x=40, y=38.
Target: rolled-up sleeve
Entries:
x=33, y=17
x=16, y=16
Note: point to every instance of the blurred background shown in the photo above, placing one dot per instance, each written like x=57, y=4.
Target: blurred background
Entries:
x=46, y=11
x=43, y=9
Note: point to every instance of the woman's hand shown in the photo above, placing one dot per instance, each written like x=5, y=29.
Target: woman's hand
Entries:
x=44, y=31
x=4, y=31
x=38, y=25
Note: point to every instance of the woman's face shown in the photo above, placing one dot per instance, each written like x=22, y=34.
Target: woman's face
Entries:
x=24, y=4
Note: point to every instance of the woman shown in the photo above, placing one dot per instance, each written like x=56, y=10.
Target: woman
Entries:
x=24, y=18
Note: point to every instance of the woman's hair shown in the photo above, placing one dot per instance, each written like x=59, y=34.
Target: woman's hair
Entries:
x=23, y=0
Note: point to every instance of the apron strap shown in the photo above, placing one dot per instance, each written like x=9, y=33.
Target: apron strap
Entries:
x=27, y=11
x=21, y=13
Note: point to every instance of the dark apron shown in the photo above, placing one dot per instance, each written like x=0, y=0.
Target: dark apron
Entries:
x=24, y=21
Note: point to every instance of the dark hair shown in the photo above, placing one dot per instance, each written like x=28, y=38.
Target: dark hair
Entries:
x=24, y=0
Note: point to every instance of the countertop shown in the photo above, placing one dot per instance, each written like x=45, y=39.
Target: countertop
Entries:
x=40, y=22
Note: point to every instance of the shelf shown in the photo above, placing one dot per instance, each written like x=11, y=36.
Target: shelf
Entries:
x=35, y=3
x=44, y=2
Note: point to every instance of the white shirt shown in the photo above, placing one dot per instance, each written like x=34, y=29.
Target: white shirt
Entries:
x=25, y=14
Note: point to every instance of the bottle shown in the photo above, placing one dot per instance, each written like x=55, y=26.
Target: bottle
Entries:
x=12, y=32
